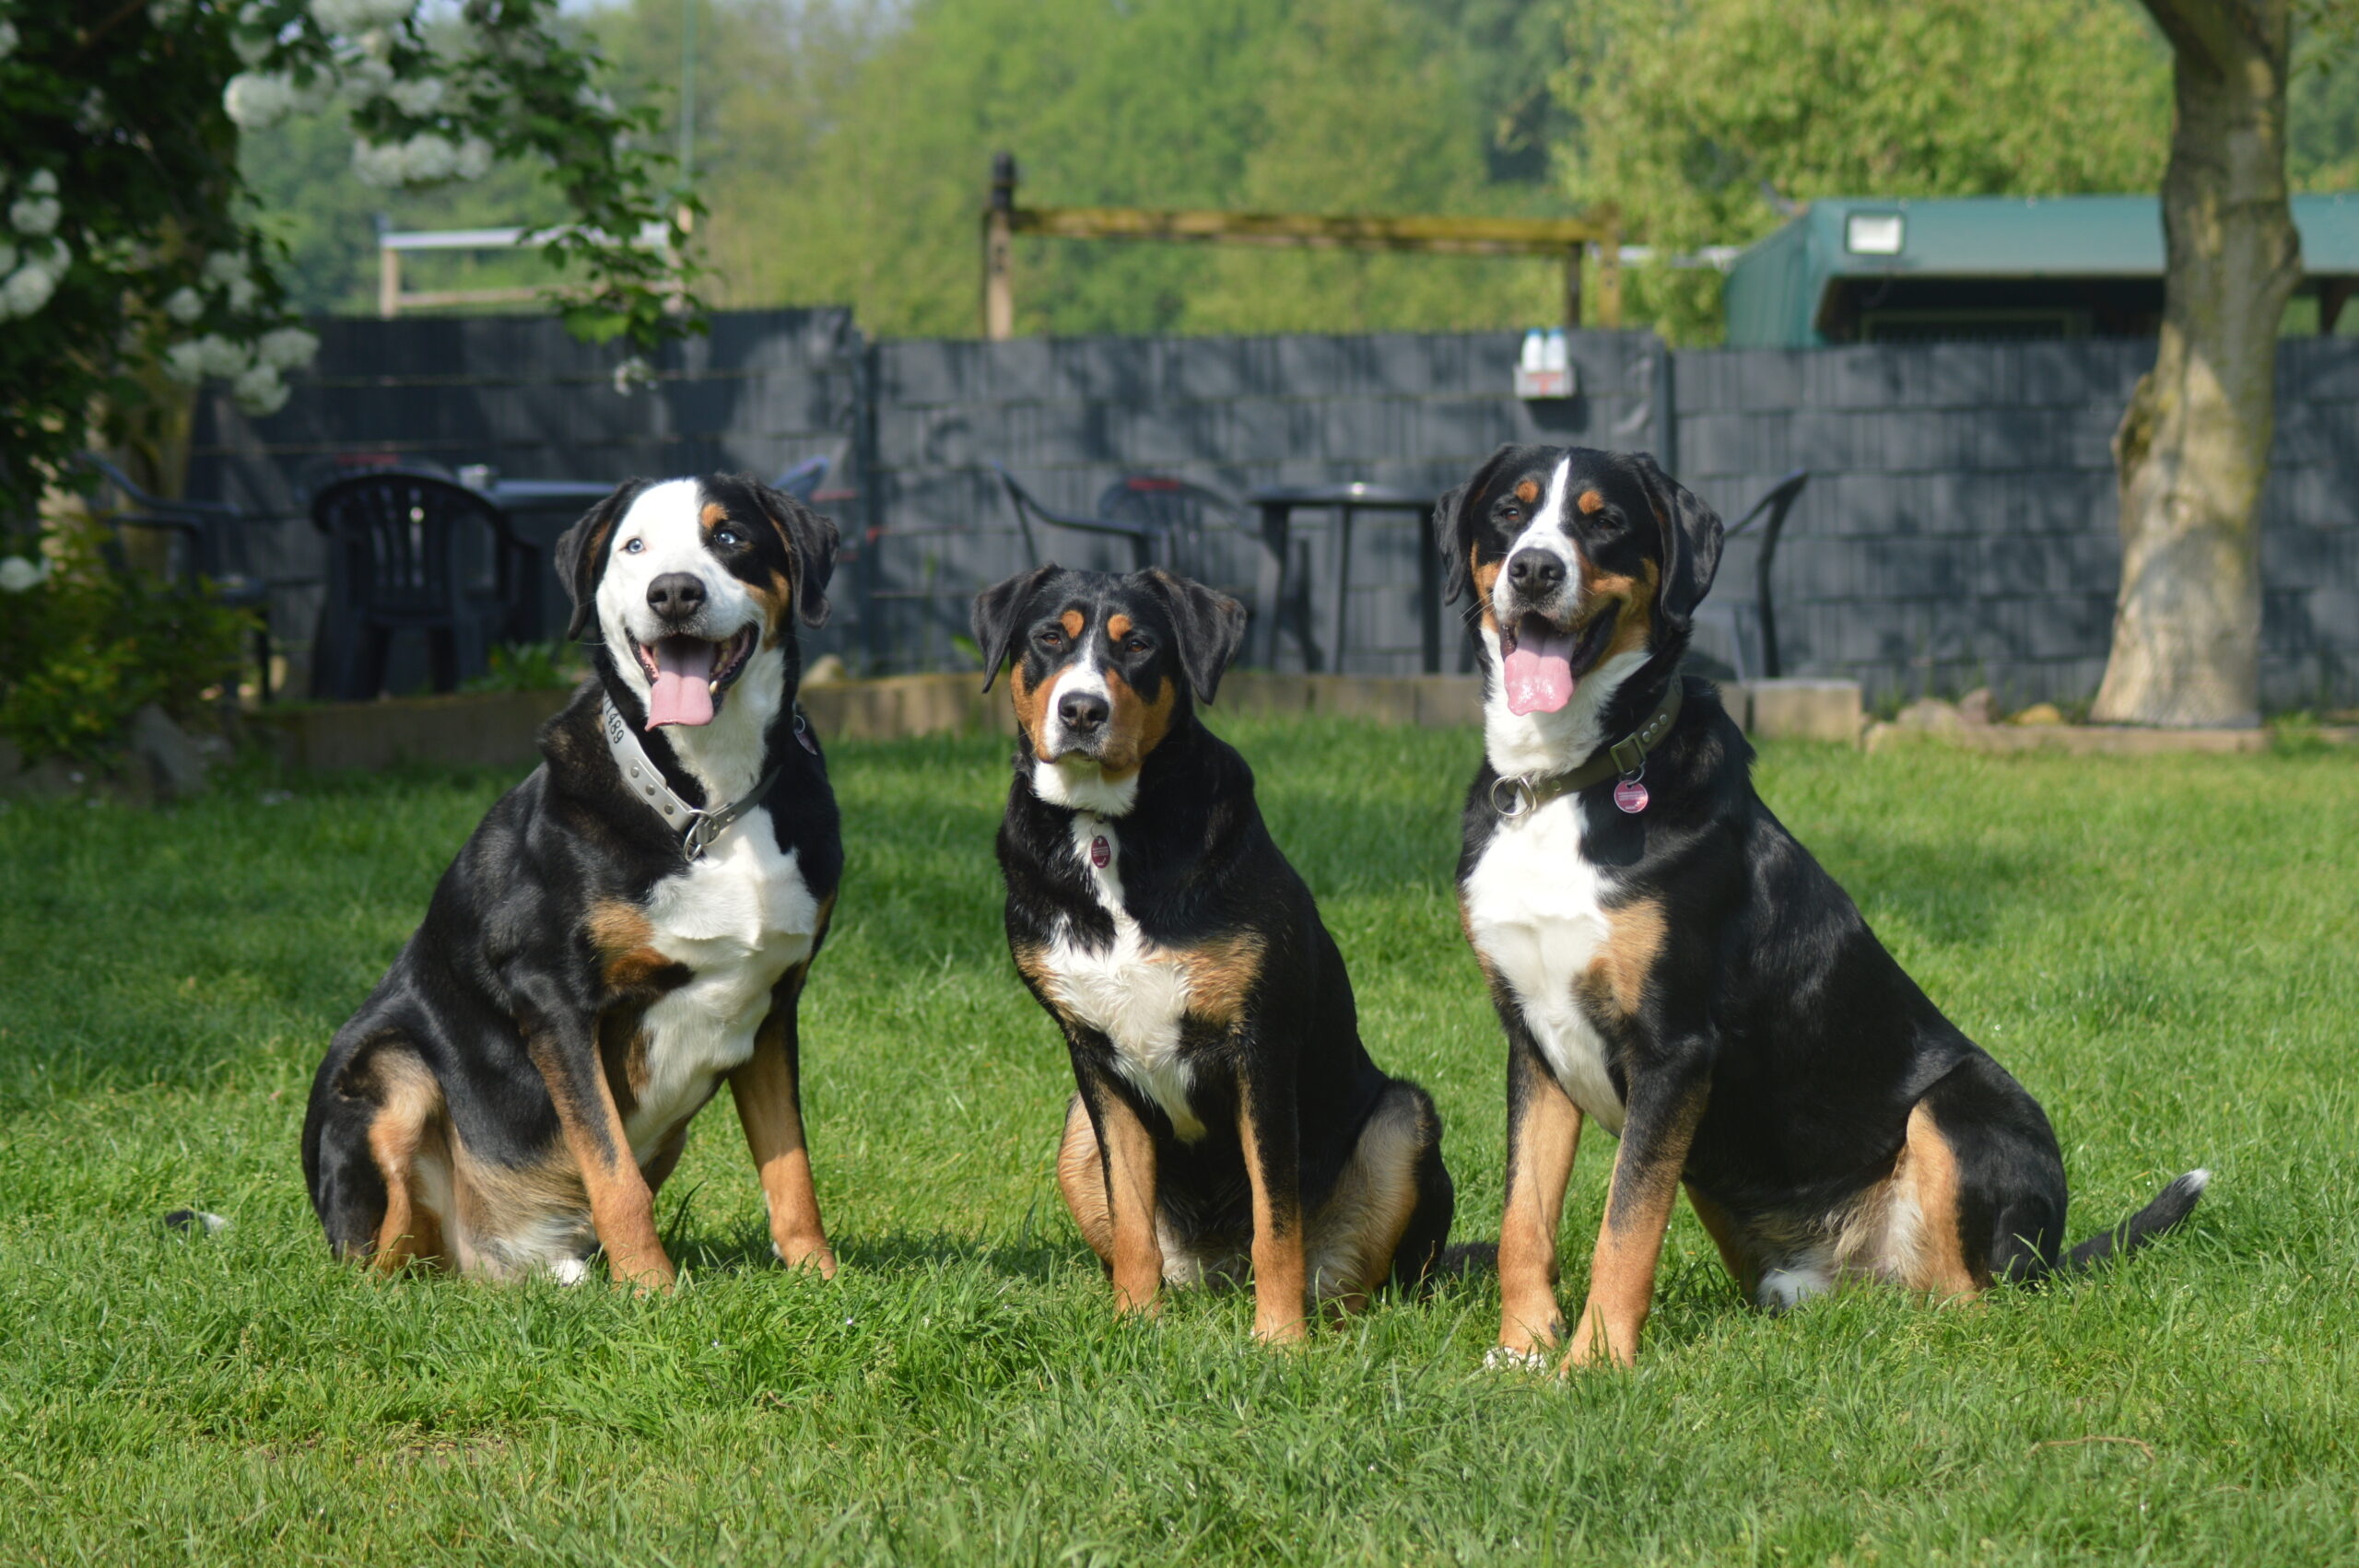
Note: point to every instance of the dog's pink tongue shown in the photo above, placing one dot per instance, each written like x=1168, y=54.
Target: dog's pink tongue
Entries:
x=1539, y=673
x=683, y=690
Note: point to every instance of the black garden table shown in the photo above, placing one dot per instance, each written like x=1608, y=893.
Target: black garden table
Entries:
x=1347, y=500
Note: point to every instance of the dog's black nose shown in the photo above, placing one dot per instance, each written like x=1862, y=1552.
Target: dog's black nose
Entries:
x=1082, y=712
x=1536, y=571
x=676, y=595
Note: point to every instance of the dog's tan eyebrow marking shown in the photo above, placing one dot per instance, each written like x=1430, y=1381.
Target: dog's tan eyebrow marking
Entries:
x=713, y=515
x=1590, y=501
x=1073, y=621
x=1528, y=492
x=1118, y=627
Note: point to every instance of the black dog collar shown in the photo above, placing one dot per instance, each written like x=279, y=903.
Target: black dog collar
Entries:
x=1528, y=792
x=697, y=826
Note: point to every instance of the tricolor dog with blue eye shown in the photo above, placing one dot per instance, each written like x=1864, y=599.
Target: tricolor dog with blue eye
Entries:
x=626, y=930
x=1224, y=1110
x=1668, y=962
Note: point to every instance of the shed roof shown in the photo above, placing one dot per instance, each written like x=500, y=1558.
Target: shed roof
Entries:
x=1776, y=284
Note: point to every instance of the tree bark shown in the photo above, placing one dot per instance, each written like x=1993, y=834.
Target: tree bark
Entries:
x=2191, y=455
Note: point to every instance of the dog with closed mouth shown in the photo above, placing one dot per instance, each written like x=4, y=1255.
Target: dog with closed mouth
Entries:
x=626, y=929
x=1669, y=960
x=1226, y=1111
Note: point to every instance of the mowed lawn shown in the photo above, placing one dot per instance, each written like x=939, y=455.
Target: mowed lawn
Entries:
x=2166, y=952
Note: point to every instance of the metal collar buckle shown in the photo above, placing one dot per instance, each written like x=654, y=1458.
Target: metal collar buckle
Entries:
x=1519, y=797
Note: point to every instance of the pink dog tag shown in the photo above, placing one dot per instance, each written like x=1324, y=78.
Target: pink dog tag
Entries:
x=1631, y=796
x=1101, y=852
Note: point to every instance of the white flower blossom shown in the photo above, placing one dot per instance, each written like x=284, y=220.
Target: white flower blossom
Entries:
x=285, y=348
x=184, y=306
x=377, y=164
x=223, y=268
x=474, y=160
x=7, y=258
x=258, y=100
x=417, y=97
x=252, y=47
x=185, y=363
x=365, y=79
x=40, y=182
x=429, y=157
x=354, y=15
x=167, y=13
x=259, y=390
x=221, y=356
x=377, y=43
x=27, y=289
x=18, y=574
x=589, y=97
x=91, y=117
x=35, y=216
x=243, y=292
x=7, y=38
x=421, y=160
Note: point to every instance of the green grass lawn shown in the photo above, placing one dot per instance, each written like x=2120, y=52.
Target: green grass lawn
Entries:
x=2165, y=952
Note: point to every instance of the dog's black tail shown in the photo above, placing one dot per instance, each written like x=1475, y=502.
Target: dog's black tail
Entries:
x=2170, y=1206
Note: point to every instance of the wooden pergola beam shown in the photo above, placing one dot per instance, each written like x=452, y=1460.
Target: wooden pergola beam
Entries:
x=1568, y=239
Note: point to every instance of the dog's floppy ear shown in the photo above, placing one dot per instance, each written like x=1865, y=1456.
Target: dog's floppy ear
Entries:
x=1691, y=539
x=1454, y=526
x=810, y=539
x=1209, y=624
x=582, y=553
x=997, y=611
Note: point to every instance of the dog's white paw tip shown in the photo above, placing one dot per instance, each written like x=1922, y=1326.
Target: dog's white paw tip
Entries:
x=570, y=1271
x=189, y=1221
x=1500, y=1358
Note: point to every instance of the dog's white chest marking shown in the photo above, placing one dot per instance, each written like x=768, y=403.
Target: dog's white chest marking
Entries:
x=1535, y=908
x=739, y=919
x=1128, y=992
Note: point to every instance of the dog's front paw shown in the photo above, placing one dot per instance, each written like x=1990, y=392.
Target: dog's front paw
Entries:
x=807, y=1255
x=1506, y=1358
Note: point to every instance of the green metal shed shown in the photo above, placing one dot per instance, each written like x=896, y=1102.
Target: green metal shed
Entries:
x=1860, y=270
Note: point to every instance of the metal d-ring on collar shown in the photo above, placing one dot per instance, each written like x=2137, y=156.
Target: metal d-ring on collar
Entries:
x=1527, y=792
x=697, y=826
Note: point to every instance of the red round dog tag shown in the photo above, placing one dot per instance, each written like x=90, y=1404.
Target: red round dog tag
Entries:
x=1101, y=852
x=1631, y=796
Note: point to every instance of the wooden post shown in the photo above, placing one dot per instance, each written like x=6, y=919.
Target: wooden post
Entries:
x=1573, y=286
x=388, y=282
x=1609, y=276
x=999, y=283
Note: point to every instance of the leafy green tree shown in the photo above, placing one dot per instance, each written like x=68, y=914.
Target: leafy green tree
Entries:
x=844, y=149
x=1704, y=120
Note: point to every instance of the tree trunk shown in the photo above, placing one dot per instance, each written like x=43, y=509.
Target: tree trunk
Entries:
x=2192, y=452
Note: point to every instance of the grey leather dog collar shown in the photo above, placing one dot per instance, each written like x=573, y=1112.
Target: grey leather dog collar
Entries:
x=697, y=826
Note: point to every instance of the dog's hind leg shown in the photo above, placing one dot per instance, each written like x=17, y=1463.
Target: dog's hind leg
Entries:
x=405, y=1128
x=1987, y=1170
x=1390, y=1210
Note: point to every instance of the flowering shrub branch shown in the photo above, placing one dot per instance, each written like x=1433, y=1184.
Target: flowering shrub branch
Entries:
x=126, y=241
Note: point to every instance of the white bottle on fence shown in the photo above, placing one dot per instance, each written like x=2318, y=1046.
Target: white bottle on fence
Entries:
x=1536, y=350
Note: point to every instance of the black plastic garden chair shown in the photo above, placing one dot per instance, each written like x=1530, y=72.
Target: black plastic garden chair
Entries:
x=1163, y=520
x=210, y=542
x=1774, y=505
x=411, y=552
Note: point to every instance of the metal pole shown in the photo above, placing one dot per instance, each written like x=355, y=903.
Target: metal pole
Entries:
x=999, y=285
